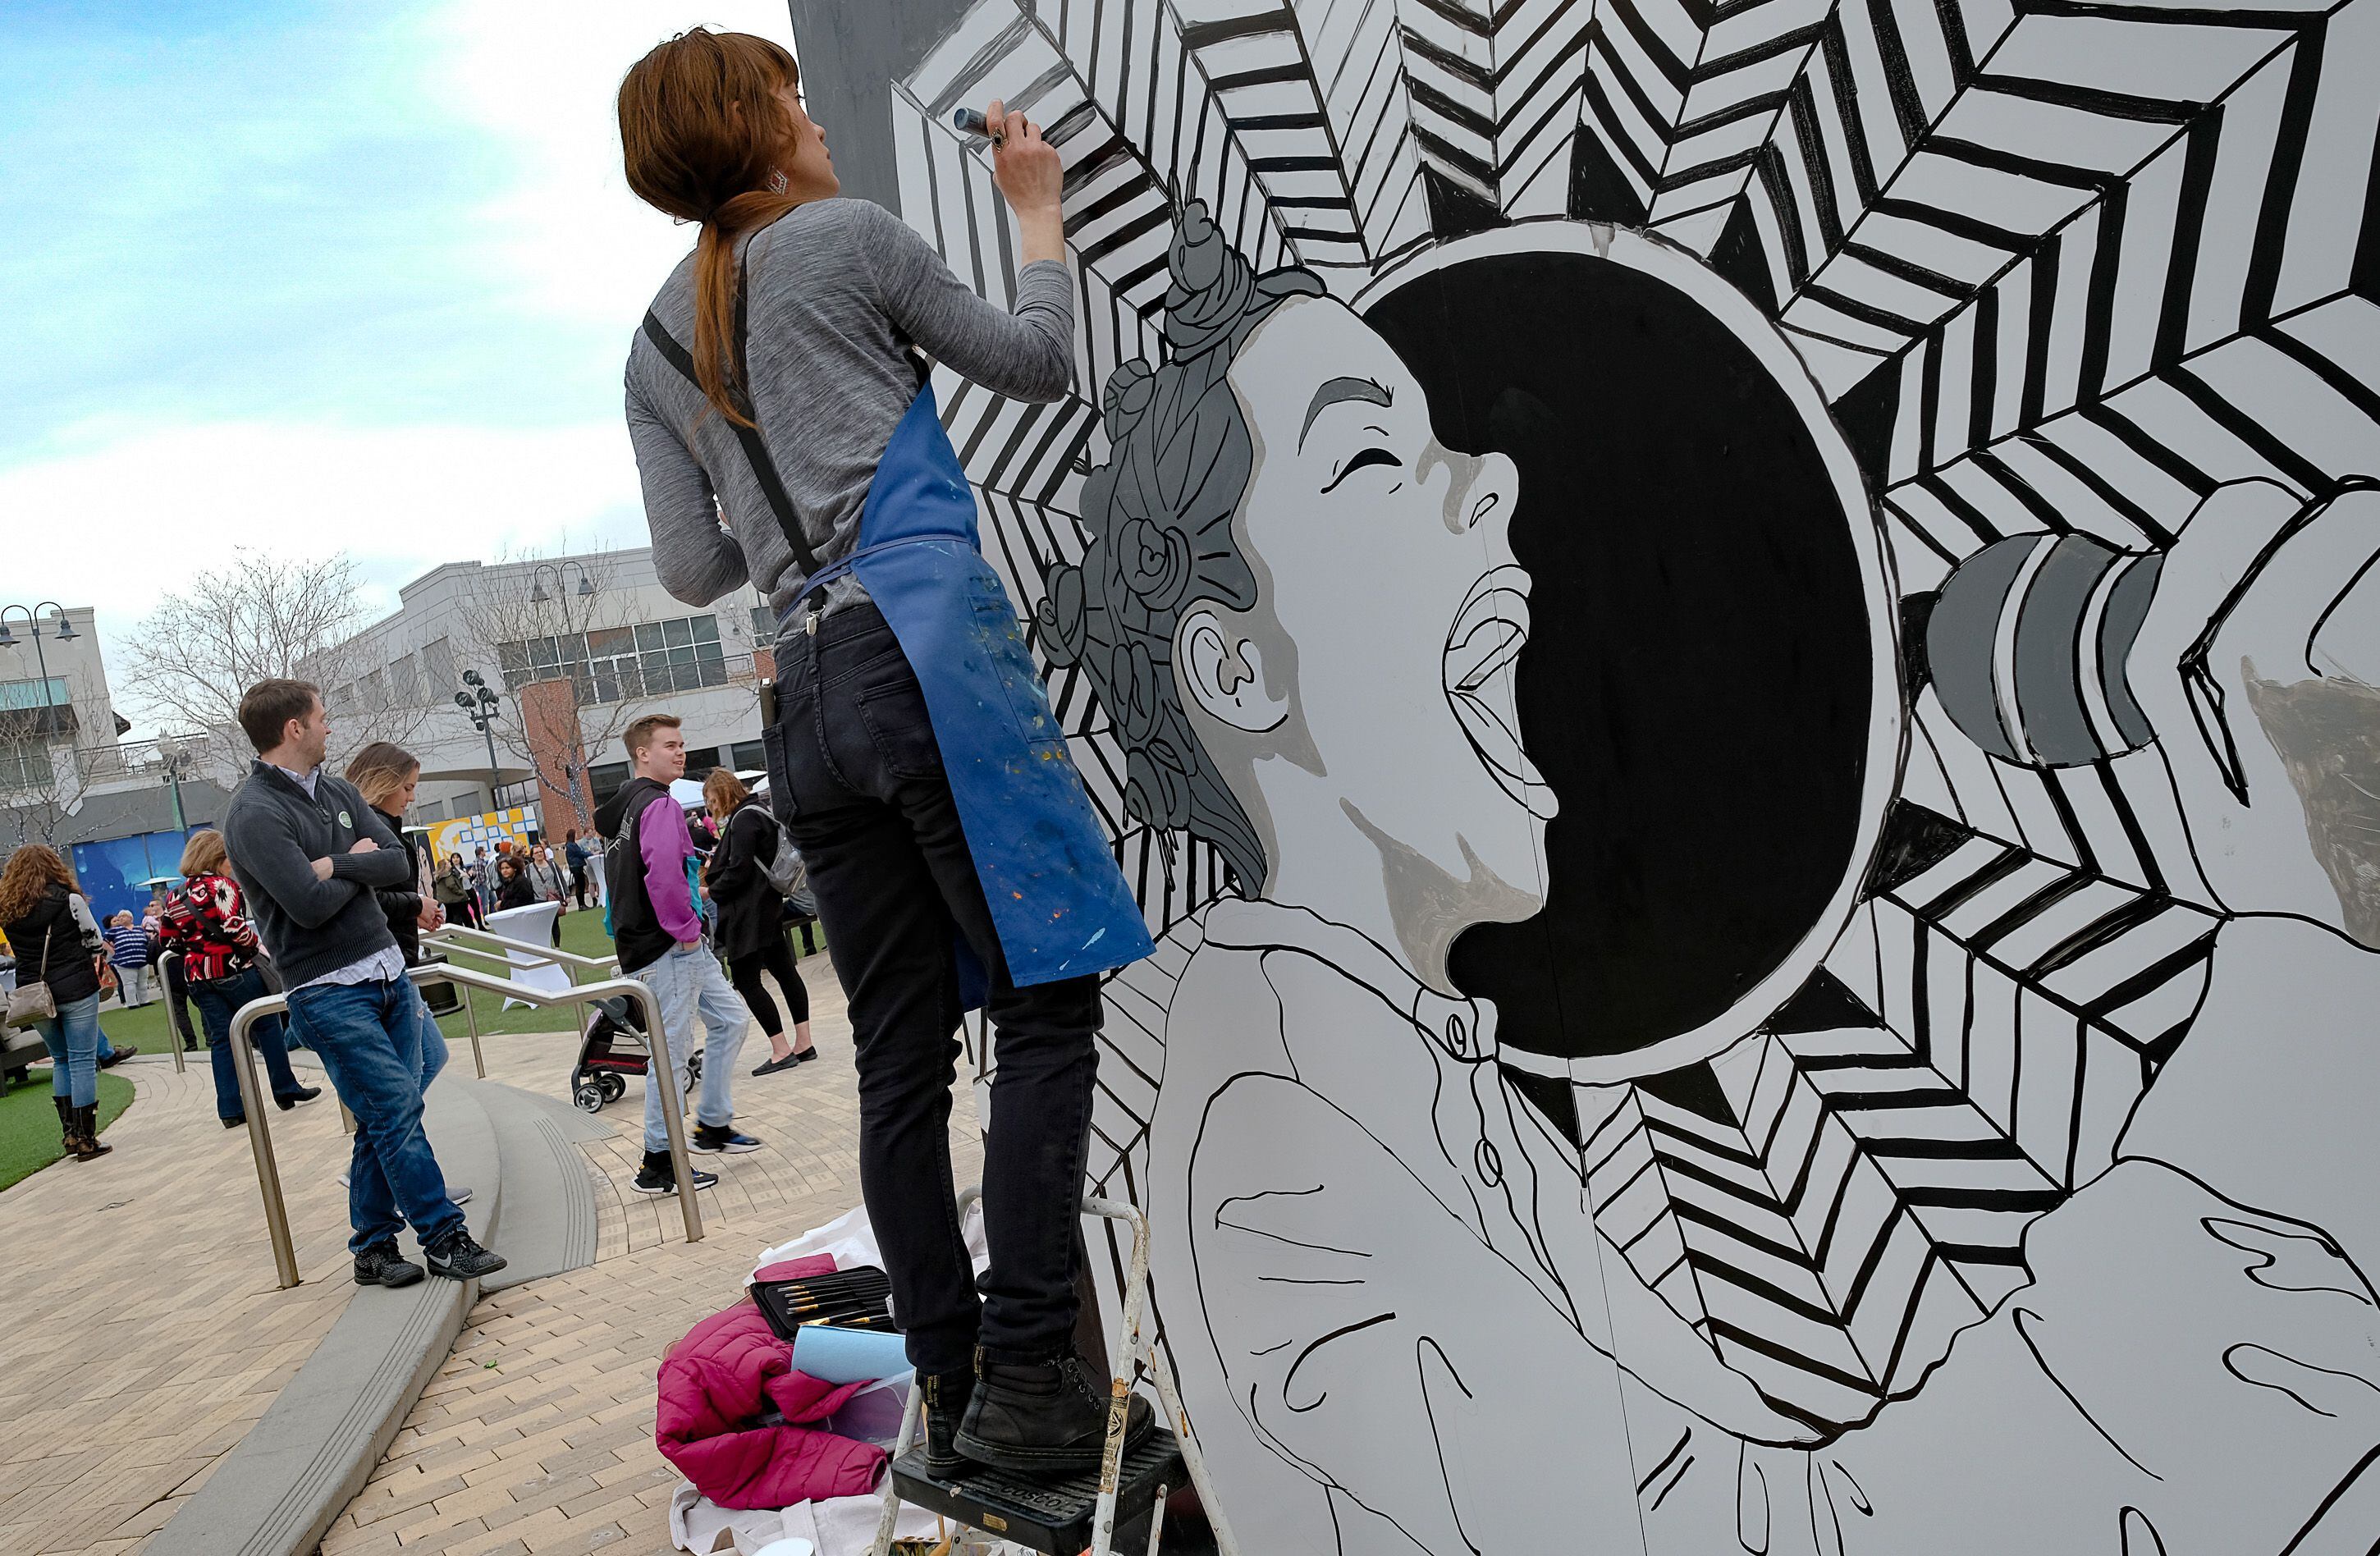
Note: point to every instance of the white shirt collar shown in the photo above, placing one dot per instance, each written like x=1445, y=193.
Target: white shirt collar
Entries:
x=303, y=780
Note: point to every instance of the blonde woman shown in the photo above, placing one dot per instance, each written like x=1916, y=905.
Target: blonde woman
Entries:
x=751, y=932
x=386, y=774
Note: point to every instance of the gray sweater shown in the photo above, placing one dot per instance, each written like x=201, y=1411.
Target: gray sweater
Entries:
x=274, y=833
x=840, y=290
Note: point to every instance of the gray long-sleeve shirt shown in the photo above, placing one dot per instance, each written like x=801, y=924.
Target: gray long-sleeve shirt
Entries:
x=840, y=289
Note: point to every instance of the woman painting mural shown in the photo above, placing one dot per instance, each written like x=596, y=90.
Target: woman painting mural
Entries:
x=777, y=384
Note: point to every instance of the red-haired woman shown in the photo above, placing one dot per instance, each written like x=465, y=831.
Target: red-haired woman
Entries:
x=57, y=942
x=780, y=384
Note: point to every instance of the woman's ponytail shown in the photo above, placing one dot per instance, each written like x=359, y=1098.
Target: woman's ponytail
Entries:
x=701, y=130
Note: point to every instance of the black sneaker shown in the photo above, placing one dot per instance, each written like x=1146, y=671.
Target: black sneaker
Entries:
x=658, y=1176
x=721, y=1140
x=120, y=1053
x=458, y=1257
x=303, y=1094
x=382, y=1265
x=946, y=1401
x=1046, y=1419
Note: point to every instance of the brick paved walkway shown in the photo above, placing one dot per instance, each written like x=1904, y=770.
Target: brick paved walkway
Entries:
x=537, y=1436
x=133, y=1359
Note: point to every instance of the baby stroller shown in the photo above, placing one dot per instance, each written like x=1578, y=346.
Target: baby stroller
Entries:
x=614, y=1048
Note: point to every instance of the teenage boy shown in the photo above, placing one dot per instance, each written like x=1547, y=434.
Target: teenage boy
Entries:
x=658, y=937
x=310, y=856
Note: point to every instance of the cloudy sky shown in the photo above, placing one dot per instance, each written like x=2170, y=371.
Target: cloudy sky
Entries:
x=314, y=275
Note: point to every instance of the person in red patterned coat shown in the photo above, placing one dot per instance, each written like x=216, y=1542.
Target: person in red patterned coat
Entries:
x=206, y=922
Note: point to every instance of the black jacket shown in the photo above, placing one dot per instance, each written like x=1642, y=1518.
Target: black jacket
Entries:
x=636, y=934
x=70, y=967
x=403, y=904
x=750, y=911
x=513, y=889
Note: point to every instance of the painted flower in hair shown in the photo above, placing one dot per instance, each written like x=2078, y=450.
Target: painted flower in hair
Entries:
x=1061, y=615
x=1156, y=562
x=1211, y=285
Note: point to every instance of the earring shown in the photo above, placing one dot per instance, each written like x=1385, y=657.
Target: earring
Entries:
x=777, y=182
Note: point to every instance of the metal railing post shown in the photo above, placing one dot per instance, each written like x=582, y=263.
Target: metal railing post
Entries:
x=259, y=1136
x=471, y=1020
x=661, y=1069
x=175, y=1034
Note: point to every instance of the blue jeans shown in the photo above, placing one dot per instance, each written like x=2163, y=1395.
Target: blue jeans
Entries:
x=219, y=1000
x=369, y=1038
x=688, y=983
x=73, y=1036
x=432, y=1042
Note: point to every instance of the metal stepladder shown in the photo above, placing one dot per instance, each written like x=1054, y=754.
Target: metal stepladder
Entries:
x=1063, y=1517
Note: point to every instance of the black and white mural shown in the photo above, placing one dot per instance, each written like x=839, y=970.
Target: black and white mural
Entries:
x=1738, y=648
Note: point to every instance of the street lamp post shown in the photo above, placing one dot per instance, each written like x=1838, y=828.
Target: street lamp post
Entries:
x=64, y=632
x=483, y=709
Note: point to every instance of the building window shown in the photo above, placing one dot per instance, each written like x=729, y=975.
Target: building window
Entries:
x=35, y=707
x=438, y=669
x=18, y=695
x=374, y=692
x=623, y=663
x=429, y=811
x=405, y=683
x=764, y=626
x=750, y=756
x=25, y=764
x=605, y=779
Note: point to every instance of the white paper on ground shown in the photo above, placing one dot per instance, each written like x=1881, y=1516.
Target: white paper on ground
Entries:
x=839, y=1527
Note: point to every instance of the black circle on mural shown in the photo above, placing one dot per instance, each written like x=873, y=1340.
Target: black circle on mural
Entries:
x=1697, y=681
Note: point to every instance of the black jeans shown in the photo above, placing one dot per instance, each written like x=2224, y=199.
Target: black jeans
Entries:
x=775, y=958
x=866, y=799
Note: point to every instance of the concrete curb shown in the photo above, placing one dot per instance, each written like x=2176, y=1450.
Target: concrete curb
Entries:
x=550, y=1222
x=305, y=1460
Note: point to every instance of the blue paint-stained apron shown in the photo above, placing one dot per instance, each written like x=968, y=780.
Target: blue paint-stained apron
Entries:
x=1058, y=899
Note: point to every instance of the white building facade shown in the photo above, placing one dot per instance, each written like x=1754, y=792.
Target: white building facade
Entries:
x=600, y=622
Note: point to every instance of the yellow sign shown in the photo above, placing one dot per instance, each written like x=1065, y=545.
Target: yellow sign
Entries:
x=464, y=835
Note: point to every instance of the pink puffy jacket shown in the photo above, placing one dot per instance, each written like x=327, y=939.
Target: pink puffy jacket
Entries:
x=729, y=1369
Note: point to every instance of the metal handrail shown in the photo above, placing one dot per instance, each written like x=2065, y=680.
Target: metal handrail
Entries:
x=259, y=1134
x=452, y=934
x=174, y=1033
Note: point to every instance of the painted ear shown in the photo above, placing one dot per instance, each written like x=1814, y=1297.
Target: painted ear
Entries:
x=1222, y=671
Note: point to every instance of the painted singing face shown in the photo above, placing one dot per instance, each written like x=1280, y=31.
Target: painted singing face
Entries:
x=1386, y=568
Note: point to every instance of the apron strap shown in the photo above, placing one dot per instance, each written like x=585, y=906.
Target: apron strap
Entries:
x=756, y=452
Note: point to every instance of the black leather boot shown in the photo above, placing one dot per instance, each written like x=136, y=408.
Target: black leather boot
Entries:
x=66, y=1122
x=87, y=1144
x=1048, y=1419
x=947, y=1394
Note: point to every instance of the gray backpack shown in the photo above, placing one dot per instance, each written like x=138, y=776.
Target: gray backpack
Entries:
x=785, y=870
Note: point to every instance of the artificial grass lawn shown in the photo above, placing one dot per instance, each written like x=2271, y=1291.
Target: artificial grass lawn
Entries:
x=28, y=1125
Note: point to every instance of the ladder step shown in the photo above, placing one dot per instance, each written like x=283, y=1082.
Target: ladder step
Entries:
x=1054, y=1516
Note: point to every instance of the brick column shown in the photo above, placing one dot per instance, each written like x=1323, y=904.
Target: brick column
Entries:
x=550, y=720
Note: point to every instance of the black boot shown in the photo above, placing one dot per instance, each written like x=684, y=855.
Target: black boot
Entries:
x=66, y=1122
x=946, y=1399
x=87, y=1146
x=1047, y=1419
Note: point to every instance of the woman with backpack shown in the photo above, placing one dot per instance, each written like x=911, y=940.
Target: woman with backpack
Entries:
x=751, y=914
x=59, y=951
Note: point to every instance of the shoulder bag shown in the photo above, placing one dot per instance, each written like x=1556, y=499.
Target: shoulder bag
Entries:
x=29, y=1003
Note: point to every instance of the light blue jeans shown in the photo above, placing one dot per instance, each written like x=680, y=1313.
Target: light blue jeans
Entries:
x=368, y=1041
x=72, y=1036
x=688, y=983
x=433, y=1042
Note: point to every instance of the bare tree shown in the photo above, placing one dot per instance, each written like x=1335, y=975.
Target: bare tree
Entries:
x=42, y=778
x=534, y=624
x=260, y=617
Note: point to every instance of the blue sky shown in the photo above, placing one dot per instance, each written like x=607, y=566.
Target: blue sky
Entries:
x=310, y=277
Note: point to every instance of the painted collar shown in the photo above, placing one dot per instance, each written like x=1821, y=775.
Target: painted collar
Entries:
x=1465, y=1029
